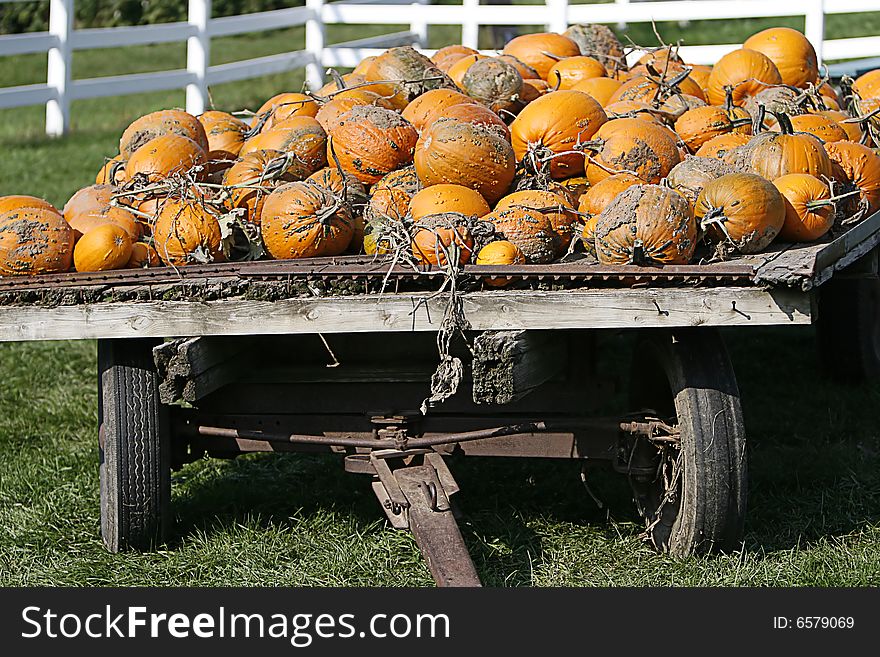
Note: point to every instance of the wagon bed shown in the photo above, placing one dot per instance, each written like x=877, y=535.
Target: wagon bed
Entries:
x=359, y=294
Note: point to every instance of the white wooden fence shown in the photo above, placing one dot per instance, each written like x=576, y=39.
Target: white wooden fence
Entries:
x=62, y=40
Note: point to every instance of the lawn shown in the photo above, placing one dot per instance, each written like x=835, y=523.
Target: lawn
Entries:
x=814, y=517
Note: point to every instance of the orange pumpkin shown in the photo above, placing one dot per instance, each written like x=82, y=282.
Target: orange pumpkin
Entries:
x=454, y=49
x=716, y=147
x=344, y=185
x=158, y=124
x=867, y=85
x=633, y=109
x=632, y=146
x=255, y=175
x=412, y=71
x=533, y=89
x=548, y=131
x=225, y=134
x=282, y=107
x=541, y=50
x=853, y=130
x=675, y=106
x=809, y=210
x=301, y=135
x=370, y=142
x=553, y=206
x=143, y=255
x=568, y=72
x=860, y=166
x=421, y=110
x=699, y=125
x=599, y=88
x=112, y=173
x=823, y=127
x=34, y=240
x=500, y=252
x=648, y=90
x=457, y=71
x=300, y=220
x=529, y=230
x=742, y=73
x=741, y=210
x=331, y=111
x=165, y=156
x=526, y=71
x=20, y=201
x=691, y=175
x=103, y=248
x=472, y=113
x=91, y=207
x=496, y=84
x=700, y=74
x=791, y=52
x=438, y=199
x=363, y=65
x=451, y=151
x=187, y=232
x=598, y=196
x=439, y=236
x=646, y=225
x=773, y=154
x=390, y=197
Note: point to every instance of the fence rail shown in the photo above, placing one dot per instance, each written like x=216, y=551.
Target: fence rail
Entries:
x=62, y=40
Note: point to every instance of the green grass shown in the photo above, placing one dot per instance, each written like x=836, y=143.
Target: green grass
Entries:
x=814, y=516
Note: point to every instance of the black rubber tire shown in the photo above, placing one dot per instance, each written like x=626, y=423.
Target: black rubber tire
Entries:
x=848, y=329
x=686, y=376
x=134, y=447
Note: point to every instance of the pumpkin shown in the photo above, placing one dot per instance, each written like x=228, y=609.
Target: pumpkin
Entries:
x=742, y=210
x=458, y=70
x=331, y=111
x=454, y=49
x=717, y=146
x=225, y=134
x=675, y=106
x=421, y=110
x=529, y=230
x=370, y=142
x=690, y=176
x=282, y=107
x=34, y=240
x=598, y=196
x=853, y=130
x=343, y=185
x=112, y=173
x=860, y=166
x=103, y=248
x=142, y=255
x=438, y=236
x=566, y=73
x=700, y=74
x=301, y=135
x=415, y=72
x=91, y=207
x=646, y=225
x=300, y=220
x=867, y=85
x=773, y=154
x=390, y=197
x=525, y=71
x=341, y=82
x=818, y=125
x=541, y=50
x=633, y=109
x=741, y=73
x=599, y=88
x=553, y=206
x=158, y=124
x=699, y=125
x=791, y=52
x=500, y=252
x=187, y=232
x=648, y=90
x=391, y=93
x=255, y=175
x=549, y=129
x=495, y=83
x=600, y=42
x=164, y=156
x=533, y=89
x=447, y=62
x=632, y=146
x=809, y=210
x=473, y=113
x=363, y=65
x=768, y=103
x=20, y=201
x=466, y=154
x=571, y=188
x=438, y=199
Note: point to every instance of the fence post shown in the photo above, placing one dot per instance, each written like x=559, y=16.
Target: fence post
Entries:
x=315, y=35
x=557, y=13
x=419, y=25
x=58, y=67
x=470, y=28
x=814, y=25
x=621, y=25
x=198, y=56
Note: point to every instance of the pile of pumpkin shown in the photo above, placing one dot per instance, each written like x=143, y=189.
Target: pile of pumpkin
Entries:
x=552, y=146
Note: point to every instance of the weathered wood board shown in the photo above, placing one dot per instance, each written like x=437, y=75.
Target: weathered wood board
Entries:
x=495, y=310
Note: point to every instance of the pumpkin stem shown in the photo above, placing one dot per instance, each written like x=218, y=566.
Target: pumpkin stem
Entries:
x=337, y=79
x=715, y=216
x=785, y=125
x=558, y=82
x=758, y=123
x=555, y=58
x=822, y=202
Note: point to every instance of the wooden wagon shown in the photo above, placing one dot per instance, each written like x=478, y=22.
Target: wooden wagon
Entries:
x=338, y=355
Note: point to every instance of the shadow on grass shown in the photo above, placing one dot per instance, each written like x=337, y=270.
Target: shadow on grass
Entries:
x=815, y=474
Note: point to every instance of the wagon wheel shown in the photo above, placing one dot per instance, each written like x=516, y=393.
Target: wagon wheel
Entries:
x=134, y=447
x=694, y=499
x=848, y=329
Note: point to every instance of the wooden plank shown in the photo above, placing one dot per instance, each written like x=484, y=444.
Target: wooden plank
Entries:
x=495, y=310
x=507, y=365
x=195, y=367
